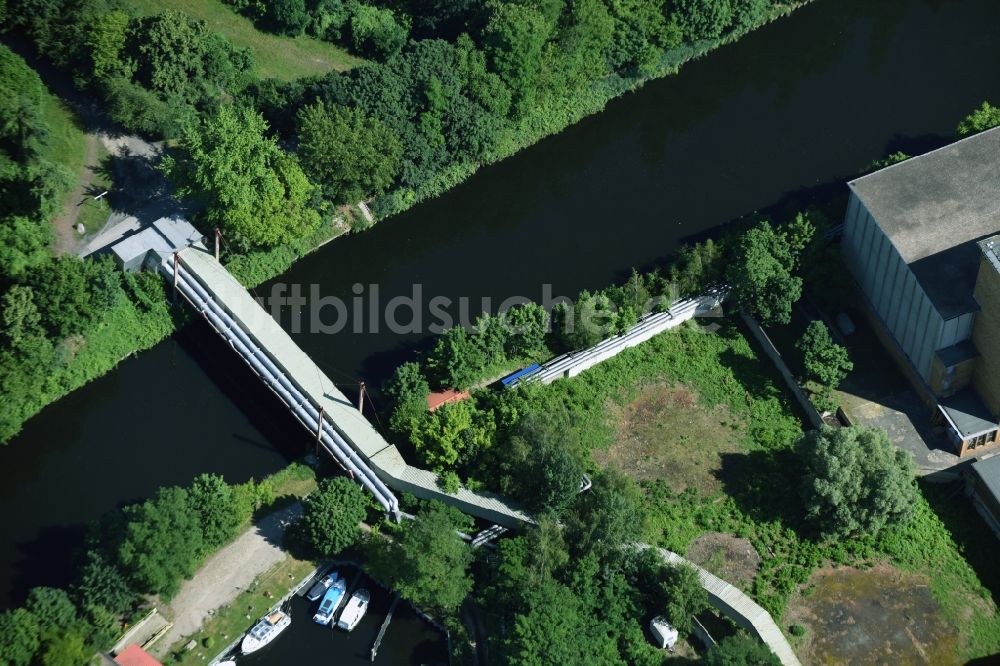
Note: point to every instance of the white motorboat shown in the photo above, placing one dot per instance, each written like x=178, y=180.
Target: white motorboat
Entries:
x=355, y=609
x=331, y=602
x=265, y=631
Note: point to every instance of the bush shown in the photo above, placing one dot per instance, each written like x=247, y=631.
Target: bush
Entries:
x=741, y=650
x=377, y=33
x=332, y=516
x=797, y=630
x=985, y=117
x=854, y=481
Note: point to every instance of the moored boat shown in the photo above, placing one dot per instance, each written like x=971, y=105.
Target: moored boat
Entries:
x=355, y=609
x=321, y=586
x=265, y=631
x=331, y=601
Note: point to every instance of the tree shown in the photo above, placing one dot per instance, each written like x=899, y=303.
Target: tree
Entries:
x=162, y=542
x=741, y=650
x=552, y=628
x=456, y=360
x=703, y=19
x=20, y=317
x=19, y=637
x=527, y=327
x=453, y=432
x=606, y=518
x=426, y=561
x=332, y=516
x=982, y=119
x=52, y=609
x=218, y=509
x=513, y=39
x=748, y=14
x=682, y=595
x=544, y=467
x=407, y=390
x=69, y=648
x=588, y=321
x=376, y=32
x=102, y=585
x=854, y=481
x=288, y=16
x=253, y=190
x=825, y=361
x=350, y=155
x=760, y=274
x=24, y=245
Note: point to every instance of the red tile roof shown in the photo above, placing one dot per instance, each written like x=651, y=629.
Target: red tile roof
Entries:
x=134, y=655
x=435, y=400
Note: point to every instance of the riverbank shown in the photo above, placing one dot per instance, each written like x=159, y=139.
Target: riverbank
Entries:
x=103, y=349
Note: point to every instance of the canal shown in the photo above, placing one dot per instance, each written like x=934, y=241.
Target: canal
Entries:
x=783, y=116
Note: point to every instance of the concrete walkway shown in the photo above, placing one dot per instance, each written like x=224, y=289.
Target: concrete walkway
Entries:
x=740, y=608
x=226, y=574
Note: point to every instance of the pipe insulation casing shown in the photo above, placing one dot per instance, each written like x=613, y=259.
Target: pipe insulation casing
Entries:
x=278, y=381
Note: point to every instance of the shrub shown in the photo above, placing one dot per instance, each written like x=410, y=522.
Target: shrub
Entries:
x=854, y=481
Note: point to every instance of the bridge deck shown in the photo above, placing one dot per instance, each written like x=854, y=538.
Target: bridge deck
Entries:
x=383, y=457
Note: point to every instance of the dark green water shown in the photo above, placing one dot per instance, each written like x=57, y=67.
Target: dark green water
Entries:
x=780, y=118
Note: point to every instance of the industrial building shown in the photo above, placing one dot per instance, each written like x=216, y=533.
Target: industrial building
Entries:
x=921, y=238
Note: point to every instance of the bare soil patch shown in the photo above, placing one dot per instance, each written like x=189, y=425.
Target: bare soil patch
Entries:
x=731, y=558
x=875, y=616
x=666, y=433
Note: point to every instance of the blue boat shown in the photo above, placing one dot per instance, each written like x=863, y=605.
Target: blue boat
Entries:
x=331, y=601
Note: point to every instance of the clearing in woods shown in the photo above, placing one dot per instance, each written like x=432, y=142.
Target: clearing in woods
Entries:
x=665, y=432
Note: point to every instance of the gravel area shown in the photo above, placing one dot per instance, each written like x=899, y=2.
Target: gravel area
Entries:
x=227, y=573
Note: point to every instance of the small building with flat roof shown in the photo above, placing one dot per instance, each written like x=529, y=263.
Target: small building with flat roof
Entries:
x=921, y=238
x=984, y=478
x=152, y=245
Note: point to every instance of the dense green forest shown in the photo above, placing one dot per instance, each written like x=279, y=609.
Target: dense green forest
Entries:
x=451, y=86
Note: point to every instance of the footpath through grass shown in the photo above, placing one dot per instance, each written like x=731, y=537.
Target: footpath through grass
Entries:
x=279, y=57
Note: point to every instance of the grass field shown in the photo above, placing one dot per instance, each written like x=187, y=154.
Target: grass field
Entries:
x=66, y=144
x=666, y=433
x=279, y=57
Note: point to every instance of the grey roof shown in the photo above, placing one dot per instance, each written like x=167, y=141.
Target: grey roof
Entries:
x=988, y=470
x=163, y=237
x=968, y=413
x=991, y=250
x=957, y=353
x=934, y=208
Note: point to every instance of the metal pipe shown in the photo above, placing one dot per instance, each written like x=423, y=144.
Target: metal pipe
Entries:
x=226, y=326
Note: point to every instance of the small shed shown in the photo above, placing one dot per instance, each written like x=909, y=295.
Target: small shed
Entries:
x=663, y=632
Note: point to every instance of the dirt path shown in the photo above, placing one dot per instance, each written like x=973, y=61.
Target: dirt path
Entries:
x=67, y=240
x=226, y=574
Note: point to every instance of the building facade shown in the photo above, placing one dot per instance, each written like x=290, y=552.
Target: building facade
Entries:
x=921, y=238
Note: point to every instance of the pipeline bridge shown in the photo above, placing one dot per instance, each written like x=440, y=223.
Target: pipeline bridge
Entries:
x=340, y=429
x=346, y=435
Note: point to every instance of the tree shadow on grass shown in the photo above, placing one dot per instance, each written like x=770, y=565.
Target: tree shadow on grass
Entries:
x=764, y=485
x=969, y=531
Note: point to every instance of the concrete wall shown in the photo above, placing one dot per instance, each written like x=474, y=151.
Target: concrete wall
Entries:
x=986, y=336
x=893, y=293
